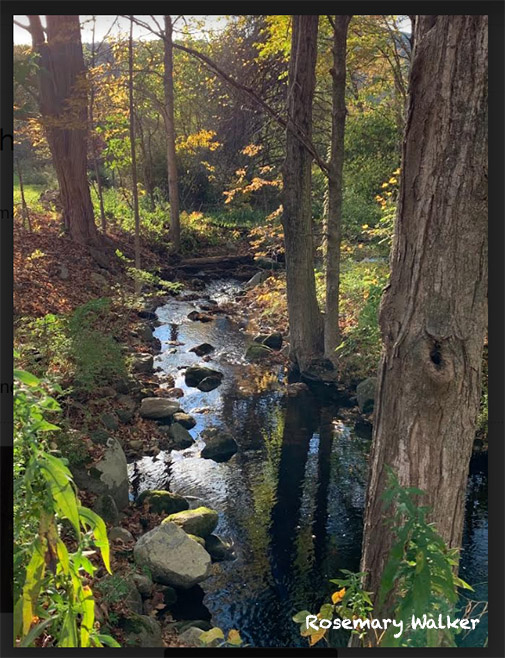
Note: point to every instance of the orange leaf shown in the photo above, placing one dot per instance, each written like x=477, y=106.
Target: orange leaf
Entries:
x=318, y=635
x=338, y=596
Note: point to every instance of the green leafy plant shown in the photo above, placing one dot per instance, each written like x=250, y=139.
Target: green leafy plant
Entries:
x=419, y=579
x=55, y=535
x=420, y=571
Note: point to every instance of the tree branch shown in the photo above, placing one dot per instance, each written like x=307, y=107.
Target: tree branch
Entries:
x=299, y=134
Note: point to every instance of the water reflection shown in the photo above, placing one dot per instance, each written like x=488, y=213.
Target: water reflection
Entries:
x=291, y=500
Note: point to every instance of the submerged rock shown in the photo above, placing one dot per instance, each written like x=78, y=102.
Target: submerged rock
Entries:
x=172, y=557
x=201, y=521
x=196, y=316
x=219, y=444
x=203, y=349
x=163, y=502
x=156, y=408
x=218, y=549
x=195, y=375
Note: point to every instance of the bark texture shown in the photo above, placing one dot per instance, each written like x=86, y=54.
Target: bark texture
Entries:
x=305, y=320
x=173, y=189
x=333, y=219
x=64, y=108
x=433, y=314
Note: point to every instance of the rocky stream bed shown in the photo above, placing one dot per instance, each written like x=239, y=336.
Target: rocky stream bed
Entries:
x=260, y=486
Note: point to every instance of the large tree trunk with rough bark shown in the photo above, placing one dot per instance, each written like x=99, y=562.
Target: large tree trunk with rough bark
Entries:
x=333, y=219
x=173, y=188
x=305, y=320
x=433, y=315
x=64, y=106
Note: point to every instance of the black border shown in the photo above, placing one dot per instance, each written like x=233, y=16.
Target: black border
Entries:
x=495, y=10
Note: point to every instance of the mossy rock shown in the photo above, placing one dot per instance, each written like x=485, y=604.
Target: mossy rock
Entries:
x=201, y=521
x=257, y=352
x=142, y=631
x=200, y=540
x=163, y=502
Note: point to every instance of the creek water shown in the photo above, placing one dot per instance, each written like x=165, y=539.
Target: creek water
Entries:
x=291, y=499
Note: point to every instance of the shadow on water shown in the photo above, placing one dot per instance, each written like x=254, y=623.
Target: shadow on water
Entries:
x=291, y=500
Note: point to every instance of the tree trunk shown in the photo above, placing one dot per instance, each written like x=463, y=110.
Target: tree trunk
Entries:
x=173, y=191
x=305, y=320
x=333, y=219
x=63, y=106
x=24, y=208
x=135, y=191
x=433, y=315
x=103, y=219
x=146, y=165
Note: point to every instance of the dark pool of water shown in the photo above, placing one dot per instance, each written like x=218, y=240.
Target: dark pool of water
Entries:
x=290, y=500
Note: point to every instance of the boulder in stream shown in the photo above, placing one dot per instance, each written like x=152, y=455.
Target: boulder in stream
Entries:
x=172, y=557
x=202, y=349
x=195, y=375
x=158, y=408
x=201, y=521
x=209, y=383
x=180, y=436
x=219, y=444
x=187, y=421
x=162, y=502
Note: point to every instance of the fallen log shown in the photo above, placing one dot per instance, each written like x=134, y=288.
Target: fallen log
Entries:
x=213, y=263
x=216, y=261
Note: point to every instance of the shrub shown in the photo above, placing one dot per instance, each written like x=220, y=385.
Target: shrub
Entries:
x=51, y=593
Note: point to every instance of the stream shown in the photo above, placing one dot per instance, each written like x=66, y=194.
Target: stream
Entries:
x=291, y=500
